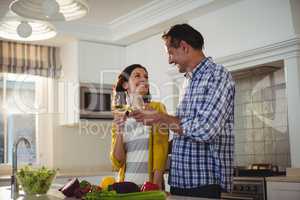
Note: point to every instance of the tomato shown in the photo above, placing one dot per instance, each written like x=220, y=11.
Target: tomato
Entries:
x=148, y=186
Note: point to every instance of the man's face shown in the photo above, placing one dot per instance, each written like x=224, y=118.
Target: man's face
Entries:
x=177, y=56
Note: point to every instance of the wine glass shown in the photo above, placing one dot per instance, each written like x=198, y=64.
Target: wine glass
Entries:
x=137, y=102
x=120, y=103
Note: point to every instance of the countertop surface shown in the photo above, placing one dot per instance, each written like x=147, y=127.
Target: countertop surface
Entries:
x=293, y=179
x=54, y=194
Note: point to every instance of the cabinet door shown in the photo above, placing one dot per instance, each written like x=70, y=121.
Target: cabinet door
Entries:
x=68, y=85
x=283, y=191
x=69, y=103
x=100, y=63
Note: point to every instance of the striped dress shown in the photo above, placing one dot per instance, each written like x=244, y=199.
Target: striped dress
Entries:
x=136, y=140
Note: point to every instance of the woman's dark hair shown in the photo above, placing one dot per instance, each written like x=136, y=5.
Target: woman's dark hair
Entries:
x=184, y=32
x=124, y=77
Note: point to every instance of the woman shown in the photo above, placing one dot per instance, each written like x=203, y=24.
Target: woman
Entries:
x=138, y=151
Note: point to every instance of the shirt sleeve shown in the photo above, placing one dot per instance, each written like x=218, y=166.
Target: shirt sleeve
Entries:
x=212, y=109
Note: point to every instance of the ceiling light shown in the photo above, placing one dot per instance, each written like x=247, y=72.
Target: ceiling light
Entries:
x=24, y=30
x=50, y=10
x=14, y=28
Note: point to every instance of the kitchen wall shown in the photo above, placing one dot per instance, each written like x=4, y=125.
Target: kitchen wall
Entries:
x=295, y=5
x=261, y=128
x=245, y=25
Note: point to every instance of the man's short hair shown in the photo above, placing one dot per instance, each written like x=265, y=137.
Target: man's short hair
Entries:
x=184, y=32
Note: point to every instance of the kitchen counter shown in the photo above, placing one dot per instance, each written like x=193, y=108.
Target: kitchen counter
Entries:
x=292, y=176
x=54, y=194
x=292, y=179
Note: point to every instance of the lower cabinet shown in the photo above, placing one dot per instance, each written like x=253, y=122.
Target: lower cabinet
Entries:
x=283, y=190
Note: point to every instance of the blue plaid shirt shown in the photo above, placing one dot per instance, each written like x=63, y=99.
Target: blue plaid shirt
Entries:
x=203, y=154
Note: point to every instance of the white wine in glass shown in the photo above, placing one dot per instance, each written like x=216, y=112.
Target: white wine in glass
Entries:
x=120, y=104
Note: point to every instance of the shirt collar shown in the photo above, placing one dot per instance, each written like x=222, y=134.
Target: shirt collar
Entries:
x=189, y=75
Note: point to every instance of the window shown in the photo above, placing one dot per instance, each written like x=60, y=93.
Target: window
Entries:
x=17, y=116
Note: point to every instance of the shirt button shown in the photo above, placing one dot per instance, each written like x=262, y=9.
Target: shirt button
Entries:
x=206, y=126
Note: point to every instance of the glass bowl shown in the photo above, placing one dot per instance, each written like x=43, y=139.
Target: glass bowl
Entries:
x=35, y=180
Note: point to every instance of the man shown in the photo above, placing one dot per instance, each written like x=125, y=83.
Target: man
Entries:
x=203, y=144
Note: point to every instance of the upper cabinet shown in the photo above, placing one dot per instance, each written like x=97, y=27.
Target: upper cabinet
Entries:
x=88, y=62
x=100, y=63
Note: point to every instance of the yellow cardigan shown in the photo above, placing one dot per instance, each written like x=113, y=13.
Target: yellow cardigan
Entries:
x=158, y=147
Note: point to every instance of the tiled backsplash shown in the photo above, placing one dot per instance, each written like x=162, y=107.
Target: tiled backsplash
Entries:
x=261, y=127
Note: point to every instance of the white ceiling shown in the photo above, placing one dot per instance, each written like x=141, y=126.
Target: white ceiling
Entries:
x=125, y=21
x=102, y=12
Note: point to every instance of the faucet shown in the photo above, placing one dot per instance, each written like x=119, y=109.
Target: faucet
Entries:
x=14, y=182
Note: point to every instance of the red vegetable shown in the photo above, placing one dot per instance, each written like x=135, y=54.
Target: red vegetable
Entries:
x=69, y=188
x=148, y=186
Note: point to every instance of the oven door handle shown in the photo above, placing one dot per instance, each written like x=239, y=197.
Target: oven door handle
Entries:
x=229, y=197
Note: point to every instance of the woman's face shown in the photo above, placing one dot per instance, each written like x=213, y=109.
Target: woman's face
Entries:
x=138, y=82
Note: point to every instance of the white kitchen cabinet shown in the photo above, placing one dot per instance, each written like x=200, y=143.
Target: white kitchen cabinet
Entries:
x=68, y=93
x=283, y=190
x=67, y=87
x=100, y=63
x=88, y=62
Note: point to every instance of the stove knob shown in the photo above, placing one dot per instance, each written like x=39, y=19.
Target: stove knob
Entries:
x=241, y=188
x=248, y=188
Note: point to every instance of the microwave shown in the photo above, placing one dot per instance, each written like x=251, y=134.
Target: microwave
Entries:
x=95, y=101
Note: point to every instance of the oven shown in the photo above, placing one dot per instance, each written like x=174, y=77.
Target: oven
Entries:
x=250, y=188
x=250, y=183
